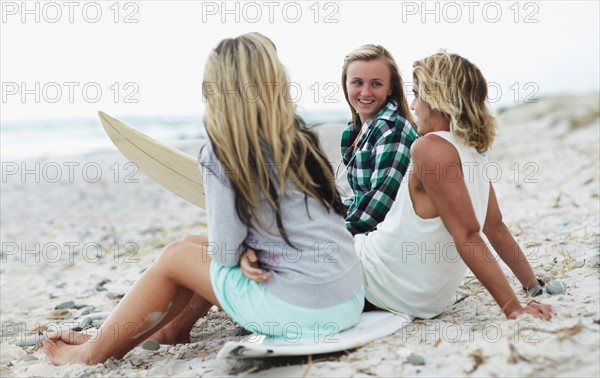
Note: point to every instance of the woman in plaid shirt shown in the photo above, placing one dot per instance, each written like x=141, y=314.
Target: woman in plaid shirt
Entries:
x=376, y=145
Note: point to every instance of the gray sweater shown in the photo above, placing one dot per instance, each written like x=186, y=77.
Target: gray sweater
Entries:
x=322, y=270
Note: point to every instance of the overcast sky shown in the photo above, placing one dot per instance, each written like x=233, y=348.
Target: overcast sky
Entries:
x=69, y=59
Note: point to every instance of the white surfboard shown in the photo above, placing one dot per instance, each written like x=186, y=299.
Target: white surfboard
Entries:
x=174, y=170
x=373, y=325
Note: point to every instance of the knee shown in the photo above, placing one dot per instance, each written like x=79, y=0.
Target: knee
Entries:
x=180, y=248
x=170, y=251
x=195, y=239
x=188, y=239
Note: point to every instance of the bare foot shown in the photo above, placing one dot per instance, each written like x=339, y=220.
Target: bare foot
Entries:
x=69, y=337
x=61, y=353
x=167, y=336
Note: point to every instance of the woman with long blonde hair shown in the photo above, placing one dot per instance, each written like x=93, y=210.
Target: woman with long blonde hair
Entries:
x=268, y=187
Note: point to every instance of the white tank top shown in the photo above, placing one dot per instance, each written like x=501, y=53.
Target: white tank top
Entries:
x=410, y=264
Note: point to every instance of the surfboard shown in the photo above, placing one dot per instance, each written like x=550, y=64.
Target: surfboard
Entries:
x=372, y=326
x=171, y=168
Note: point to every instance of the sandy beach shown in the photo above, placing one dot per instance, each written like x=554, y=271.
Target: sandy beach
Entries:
x=82, y=228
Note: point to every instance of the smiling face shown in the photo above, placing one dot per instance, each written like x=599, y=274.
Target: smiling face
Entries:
x=368, y=84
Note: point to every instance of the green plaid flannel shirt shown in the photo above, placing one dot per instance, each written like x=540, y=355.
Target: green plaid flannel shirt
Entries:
x=376, y=166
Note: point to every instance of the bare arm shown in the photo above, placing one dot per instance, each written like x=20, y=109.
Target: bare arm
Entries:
x=452, y=202
x=505, y=245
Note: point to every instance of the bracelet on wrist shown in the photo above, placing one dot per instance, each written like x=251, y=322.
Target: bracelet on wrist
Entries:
x=536, y=290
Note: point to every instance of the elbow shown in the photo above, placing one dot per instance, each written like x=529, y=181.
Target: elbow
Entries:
x=494, y=229
x=471, y=246
x=470, y=234
x=467, y=235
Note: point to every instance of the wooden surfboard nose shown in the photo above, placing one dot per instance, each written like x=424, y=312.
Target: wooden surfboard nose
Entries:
x=171, y=168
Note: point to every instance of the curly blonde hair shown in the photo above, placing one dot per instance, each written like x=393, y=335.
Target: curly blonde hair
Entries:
x=454, y=86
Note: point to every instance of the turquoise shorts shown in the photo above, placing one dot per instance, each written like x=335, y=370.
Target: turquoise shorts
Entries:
x=251, y=305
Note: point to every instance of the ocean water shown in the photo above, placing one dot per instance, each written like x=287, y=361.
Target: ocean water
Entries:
x=25, y=139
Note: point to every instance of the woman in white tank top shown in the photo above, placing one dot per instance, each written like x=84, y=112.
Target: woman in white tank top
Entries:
x=416, y=259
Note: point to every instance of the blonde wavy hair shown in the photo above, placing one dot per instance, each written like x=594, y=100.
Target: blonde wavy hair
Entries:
x=374, y=52
x=256, y=133
x=456, y=87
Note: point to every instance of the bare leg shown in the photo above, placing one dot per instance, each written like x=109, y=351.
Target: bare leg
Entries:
x=178, y=330
x=156, y=298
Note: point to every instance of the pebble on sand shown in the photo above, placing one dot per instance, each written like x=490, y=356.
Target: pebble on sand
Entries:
x=98, y=315
x=86, y=310
x=415, y=359
x=151, y=345
x=65, y=305
x=556, y=287
x=85, y=322
x=59, y=314
x=30, y=340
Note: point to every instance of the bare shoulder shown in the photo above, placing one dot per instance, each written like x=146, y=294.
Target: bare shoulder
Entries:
x=431, y=148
